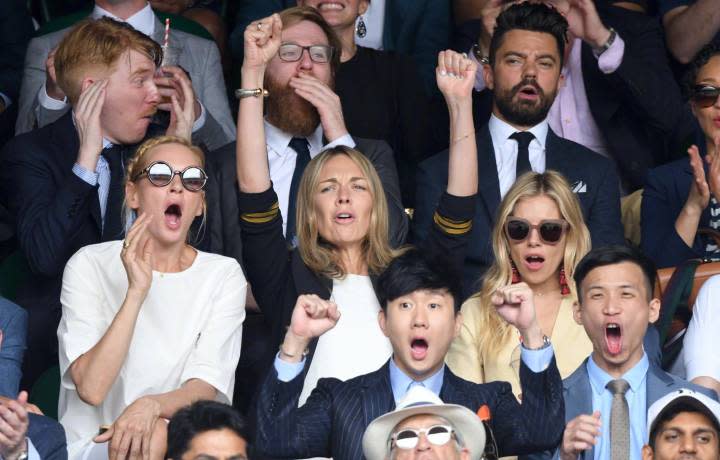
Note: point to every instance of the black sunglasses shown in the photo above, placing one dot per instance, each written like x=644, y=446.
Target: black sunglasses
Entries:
x=705, y=95
x=550, y=230
x=161, y=174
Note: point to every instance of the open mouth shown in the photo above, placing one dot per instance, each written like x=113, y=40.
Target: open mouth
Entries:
x=173, y=214
x=534, y=262
x=344, y=217
x=419, y=348
x=613, y=338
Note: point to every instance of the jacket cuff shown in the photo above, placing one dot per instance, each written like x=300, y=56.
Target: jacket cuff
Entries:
x=454, y=214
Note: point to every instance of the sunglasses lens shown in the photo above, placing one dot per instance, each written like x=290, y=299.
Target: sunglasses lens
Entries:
x=406, y=439
x=438, y=435
x=160, y=174
x=705, y=96
x=517, y=230
x=194, y=178
x=551, y=232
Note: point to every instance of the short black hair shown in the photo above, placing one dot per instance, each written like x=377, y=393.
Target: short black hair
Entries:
x=533, y=17
x=417, y=270
x=673, y=411
x=198, y=418
x=706, y=53
x=611, y=255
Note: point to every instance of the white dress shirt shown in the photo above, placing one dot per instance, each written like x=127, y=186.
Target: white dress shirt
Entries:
x=702, y=336
x=374, y=19
x=281, y=159
x=506, y=150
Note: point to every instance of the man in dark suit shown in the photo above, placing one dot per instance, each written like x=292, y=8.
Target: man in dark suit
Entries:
x=63, y=183
x=420, y=315
x=526, y=56
x=619, y=97
x=617, y=384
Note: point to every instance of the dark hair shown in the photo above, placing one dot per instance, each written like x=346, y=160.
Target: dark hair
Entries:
x=534, y=17
x=198, y=418
x=611, y=255
x=706, y=53
x=414, y=271
x=676, y=409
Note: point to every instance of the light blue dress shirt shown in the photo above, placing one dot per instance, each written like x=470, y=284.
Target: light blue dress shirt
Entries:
x=636, y=398
x=101, y=177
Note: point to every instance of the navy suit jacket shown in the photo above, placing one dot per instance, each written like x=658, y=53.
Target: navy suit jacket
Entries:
x=578, y=396
x=333, y=420
x=665, y=193
x=593, y=175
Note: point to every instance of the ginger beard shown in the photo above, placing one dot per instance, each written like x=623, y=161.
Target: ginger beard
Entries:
x=289, y=112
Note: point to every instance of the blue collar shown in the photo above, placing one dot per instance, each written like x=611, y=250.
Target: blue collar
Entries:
x=401, y=382
x=635, y=376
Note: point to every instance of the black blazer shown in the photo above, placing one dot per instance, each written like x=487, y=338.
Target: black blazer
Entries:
x=333, y=420
x=638, y=107
x=592, y=175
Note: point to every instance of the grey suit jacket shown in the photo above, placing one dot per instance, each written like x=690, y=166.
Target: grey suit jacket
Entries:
x=198, y=56
x=578, y=397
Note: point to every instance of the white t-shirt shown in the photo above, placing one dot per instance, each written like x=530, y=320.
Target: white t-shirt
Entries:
x=702, y=340
x=190, y=326
x=356, y=345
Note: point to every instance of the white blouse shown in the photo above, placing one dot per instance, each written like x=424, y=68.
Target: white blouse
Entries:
x=356, y=345
x=189, y=327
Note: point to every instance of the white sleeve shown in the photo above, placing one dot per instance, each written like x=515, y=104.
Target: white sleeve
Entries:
x=702, y=340
x=82, y=324
x=217, y=350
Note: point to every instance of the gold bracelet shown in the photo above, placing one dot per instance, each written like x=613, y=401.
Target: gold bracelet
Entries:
x=241, y=93
x=463, y=137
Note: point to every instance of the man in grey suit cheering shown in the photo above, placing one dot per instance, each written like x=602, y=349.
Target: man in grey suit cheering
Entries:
x=42, y=101
x=607, y=397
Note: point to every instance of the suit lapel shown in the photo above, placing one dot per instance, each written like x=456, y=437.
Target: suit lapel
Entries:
x=578, y=398
x=377, y=397
x=489, y=182
x=657, y=385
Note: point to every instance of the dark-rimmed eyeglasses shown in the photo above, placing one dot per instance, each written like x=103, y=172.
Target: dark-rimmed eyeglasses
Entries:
x=408, y=438
x=705, y=95
x=161, y=174
x=550, y=230
x=292, y=52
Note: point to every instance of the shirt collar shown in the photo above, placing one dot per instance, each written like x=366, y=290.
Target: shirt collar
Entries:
x=635, y=376
x=400, y=382
x=500, y=131
x=279, y=140
x=143, y=20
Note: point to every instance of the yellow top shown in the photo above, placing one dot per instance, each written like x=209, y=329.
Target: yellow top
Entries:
x=570, y=343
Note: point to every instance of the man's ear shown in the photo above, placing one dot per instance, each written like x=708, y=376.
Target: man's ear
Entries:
x=654, y=310
x=647, y=453
x=561, y=81
x=577, y=312
x=382, y=320
x=488, y=76
x=86, y=82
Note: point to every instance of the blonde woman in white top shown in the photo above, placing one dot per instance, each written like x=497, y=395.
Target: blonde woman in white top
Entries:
x=149, y=324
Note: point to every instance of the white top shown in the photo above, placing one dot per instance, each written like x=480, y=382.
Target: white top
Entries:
x=374, y=19
x=506, y=150
x=281, y=159
x=702, y=340
x=190, y=326
x=356, y=345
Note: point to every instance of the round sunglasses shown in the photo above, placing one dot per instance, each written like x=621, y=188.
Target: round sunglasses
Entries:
x=705, y=95
x=161, y=174
x=550, y=230
x=408, y=438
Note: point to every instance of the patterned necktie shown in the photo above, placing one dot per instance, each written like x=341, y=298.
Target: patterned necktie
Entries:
x=619, y=420
x=523, y=139
x=300, y=145
x=112, y=225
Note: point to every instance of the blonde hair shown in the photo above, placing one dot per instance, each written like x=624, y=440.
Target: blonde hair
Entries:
x=138, y=162
x=97, y=44
x=320, y=255
x=495, y=331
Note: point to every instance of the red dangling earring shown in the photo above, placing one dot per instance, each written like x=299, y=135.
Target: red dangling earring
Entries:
x=564, y=288
x=515, y=273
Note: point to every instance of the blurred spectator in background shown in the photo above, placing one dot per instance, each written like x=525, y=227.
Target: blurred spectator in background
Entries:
x=689, y=25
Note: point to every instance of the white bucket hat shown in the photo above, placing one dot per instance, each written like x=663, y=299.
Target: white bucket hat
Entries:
x=421, y=401
x=702, y=403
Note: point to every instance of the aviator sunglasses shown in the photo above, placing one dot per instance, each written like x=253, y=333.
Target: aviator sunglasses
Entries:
x=408, y=438
x=161, y=174
x=705, y=95
x=550, y=230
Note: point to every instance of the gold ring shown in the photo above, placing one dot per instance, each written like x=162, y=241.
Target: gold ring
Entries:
x=126, y=244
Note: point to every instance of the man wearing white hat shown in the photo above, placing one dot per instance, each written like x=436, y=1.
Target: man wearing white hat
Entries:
x=423, y=426
x=683, y=425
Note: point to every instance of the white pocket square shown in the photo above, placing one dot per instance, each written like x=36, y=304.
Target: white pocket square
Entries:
x=579, y=187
